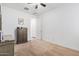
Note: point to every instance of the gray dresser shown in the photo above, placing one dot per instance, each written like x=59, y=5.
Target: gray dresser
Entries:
x=7, y=48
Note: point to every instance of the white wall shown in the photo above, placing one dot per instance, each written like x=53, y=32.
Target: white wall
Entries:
x=10, y=21
x=61, y=26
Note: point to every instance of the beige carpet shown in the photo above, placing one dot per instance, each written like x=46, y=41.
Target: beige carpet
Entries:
x=43, y=48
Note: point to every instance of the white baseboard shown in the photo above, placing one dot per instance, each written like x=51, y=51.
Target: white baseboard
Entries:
x=61, y=44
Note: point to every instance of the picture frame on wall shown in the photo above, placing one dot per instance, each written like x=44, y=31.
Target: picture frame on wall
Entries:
x=21, y=21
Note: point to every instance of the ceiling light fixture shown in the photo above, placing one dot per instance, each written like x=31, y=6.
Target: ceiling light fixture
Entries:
x=37, y=5
x=25, y=8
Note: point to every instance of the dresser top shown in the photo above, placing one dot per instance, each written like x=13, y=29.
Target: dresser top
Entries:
x=7, y=42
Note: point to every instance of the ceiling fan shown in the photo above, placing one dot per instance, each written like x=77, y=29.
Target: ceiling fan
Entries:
x=37, y=5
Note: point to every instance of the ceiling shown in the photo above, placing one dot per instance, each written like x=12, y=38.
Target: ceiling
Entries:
x=32, y=10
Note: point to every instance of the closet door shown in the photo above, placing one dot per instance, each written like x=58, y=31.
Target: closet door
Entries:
x=0, y=19
x=0, y=22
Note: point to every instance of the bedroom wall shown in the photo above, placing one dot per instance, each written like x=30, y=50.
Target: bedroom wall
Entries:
x=61, y=26
x=10, y=21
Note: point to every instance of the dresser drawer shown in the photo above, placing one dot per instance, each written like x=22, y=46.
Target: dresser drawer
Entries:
x=7, y=49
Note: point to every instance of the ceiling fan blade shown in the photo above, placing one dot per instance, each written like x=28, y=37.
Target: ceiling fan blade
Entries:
x=29, y=3
x=36, y=6
x=43, y=4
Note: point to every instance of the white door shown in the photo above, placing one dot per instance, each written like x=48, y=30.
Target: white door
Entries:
x=33, y=29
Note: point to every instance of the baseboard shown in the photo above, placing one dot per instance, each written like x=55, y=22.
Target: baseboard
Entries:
x=62, y=45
